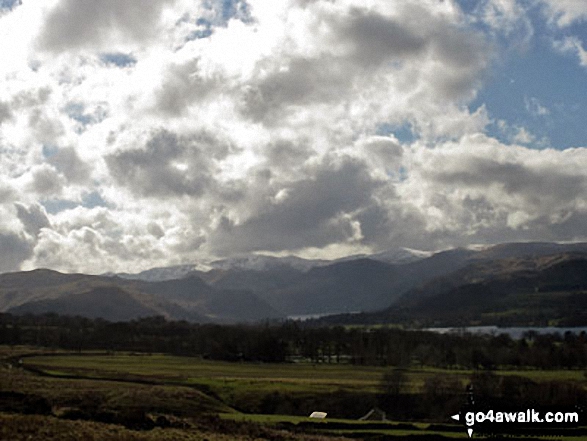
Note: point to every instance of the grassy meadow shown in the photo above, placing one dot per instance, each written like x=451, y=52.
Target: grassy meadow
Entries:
x=287, y=377
x=129, y=396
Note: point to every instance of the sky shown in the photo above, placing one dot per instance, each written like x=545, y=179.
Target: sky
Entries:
x=144, y=133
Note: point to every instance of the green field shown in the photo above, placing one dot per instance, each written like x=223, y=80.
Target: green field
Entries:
x=230, y=395
x=301, y=377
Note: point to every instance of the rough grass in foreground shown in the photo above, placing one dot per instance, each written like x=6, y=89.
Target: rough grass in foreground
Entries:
x=46, y=428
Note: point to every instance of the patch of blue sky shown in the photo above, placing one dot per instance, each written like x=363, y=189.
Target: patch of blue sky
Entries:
x=469, y=6
x=9, y=4
x=404, y=133
x=230, y=9
x=118, y=59
x=78, y=112
x=577, y=29
x=539, y=88
x=54, y=206
x=220, y=13
x=93, y=199
x=89, y=200
x=543, y=91
x=200, y=33
x=49, y=150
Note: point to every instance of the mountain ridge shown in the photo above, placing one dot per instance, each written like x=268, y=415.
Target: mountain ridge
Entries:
x=532, y=291
x=276, y=288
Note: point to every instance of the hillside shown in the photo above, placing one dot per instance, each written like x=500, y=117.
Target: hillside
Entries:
x=545, y=290
x=117, y=299
x=112, y=303
x=459, y=285
x=193, y=294
x=356, y=285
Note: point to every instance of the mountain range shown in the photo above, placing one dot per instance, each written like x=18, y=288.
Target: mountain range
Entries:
x=515, y=282
x=548, y=290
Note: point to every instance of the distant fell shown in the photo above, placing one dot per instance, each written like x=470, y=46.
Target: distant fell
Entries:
x=400, y=282
x=115, y=299
x=549, y=290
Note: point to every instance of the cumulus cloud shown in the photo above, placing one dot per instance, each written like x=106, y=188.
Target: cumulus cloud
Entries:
x=505, y=188
x=68, y=162
x=167, y=165
x=46, y=181
x=314, y=211
x=163, y=132
x=75, y=24
x=375, y=38
x=413, y=53
x=33, y=218
x=183, y=86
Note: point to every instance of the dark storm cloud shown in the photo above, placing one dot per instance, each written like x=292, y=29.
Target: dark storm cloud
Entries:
x=311, y=212
x=168, y=165
x=81, y=23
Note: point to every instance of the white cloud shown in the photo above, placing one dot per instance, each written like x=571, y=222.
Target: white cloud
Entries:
x=482, y=182
x=509, y=18
x=535, y=107
x=566, y=12
x=523, y=136
x=163, y=132
x=575, y=46
x=73, y=24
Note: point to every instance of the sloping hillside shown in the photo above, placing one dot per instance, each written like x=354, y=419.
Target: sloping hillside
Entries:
x=111, y=303
x=113, y=298
x=541, y=291
x=500, y=284
x=357, y=285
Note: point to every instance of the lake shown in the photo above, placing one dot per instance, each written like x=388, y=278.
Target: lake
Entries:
x=514, y=332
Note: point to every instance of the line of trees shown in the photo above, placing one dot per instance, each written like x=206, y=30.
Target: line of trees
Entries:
x=443, y=395
x=283, y=342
